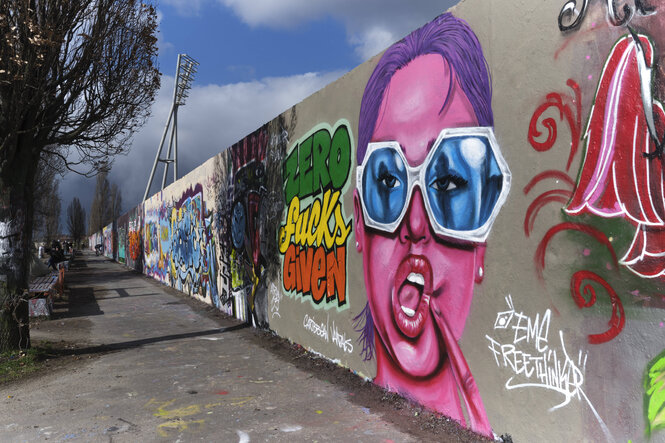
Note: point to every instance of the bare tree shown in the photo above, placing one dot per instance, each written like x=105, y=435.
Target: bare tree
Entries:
x=106, y=204
x=115, y=208
x=52, y=207
x=47, y=202
x=99, y=210
x=77, y=79
x=76, y=221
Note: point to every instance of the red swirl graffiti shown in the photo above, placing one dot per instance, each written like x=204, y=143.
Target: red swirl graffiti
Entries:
x=618, y=319
x=570, y=226
x=551, y=173
x=570, y=110
x=572, y=115
x=555, y=195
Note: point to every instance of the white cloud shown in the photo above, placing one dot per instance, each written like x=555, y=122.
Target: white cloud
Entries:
x=213, y=118
x=162, y=44
x=371, y=25
x=278, y=14
x=372, y=41
x=185, y=8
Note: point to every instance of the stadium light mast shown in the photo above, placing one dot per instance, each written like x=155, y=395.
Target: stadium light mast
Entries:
x=184, y=77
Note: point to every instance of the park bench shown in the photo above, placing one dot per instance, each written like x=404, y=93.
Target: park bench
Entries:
x=42, y=289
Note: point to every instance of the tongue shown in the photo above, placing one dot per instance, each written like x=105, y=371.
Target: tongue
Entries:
x=409, y=296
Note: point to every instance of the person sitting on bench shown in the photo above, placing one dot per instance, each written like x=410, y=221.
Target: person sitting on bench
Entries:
x=57, y=255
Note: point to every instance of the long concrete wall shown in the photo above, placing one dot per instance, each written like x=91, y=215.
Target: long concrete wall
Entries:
x=474, y=219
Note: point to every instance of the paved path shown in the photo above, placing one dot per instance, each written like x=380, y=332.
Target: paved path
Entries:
x=173, y=373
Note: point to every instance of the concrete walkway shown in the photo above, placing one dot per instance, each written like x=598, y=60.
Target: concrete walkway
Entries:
x=170, y=370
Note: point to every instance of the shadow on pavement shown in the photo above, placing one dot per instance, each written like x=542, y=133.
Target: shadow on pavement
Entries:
x=145, y=341
x=81, y=302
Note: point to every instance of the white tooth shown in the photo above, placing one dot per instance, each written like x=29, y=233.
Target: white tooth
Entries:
x=417, y=279
x=408, y=311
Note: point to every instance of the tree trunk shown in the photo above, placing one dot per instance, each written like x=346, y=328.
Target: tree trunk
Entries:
x=14, y=251
x=16, y=218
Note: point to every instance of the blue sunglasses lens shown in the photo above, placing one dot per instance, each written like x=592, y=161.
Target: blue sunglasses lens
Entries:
x=463, y=182
x=385, y=185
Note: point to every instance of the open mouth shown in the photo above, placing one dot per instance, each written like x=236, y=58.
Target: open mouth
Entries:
x=411, y=294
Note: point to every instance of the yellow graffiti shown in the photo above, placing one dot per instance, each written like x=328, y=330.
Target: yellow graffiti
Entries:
x=174, y=416
x=178, y=412
x=236, y=274
x=312, y=226
x=180, y=425
x=239, y=401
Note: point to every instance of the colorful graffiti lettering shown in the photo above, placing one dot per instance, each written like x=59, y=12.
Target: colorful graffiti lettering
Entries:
x=107, y=232
x=122, y=236
x=313, y=236
x=193, y=254
x=156, y=244
x=134, y=245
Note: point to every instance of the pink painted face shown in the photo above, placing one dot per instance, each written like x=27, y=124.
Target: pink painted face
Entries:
x=416, y=279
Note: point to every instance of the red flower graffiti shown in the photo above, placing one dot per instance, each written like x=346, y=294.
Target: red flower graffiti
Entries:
x=617, y=180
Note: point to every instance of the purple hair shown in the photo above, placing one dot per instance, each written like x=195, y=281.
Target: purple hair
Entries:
x=453, y=39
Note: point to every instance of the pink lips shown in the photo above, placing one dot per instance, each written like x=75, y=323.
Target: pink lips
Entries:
x=411, y=294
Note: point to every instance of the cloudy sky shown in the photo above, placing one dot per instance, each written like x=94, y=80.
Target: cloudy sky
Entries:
x=257, y=58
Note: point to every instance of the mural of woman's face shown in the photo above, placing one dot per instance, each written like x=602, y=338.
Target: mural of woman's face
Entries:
x=414, y=277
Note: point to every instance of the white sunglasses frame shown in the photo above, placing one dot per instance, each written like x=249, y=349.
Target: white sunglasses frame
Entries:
x=416, y=176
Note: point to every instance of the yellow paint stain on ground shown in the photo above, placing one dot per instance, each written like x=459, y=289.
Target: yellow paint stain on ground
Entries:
x=260, y=381
x=161, y=404
x=239, y=401
x=179, y=424
x=185, y=411
x=161, y=411
x=174, y=416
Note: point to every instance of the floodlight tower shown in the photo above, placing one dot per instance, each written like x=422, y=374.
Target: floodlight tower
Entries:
x=183, y=82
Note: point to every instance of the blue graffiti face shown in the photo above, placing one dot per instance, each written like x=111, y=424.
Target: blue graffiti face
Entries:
x=238, y=220
x=463, y=181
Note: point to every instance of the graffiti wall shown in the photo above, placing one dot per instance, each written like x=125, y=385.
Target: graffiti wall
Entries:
x=134, y=239
x=122, y=226
x=108, y=240
x=474, y=219
x=248, y=192
x=95, y=239
x=178, y=242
